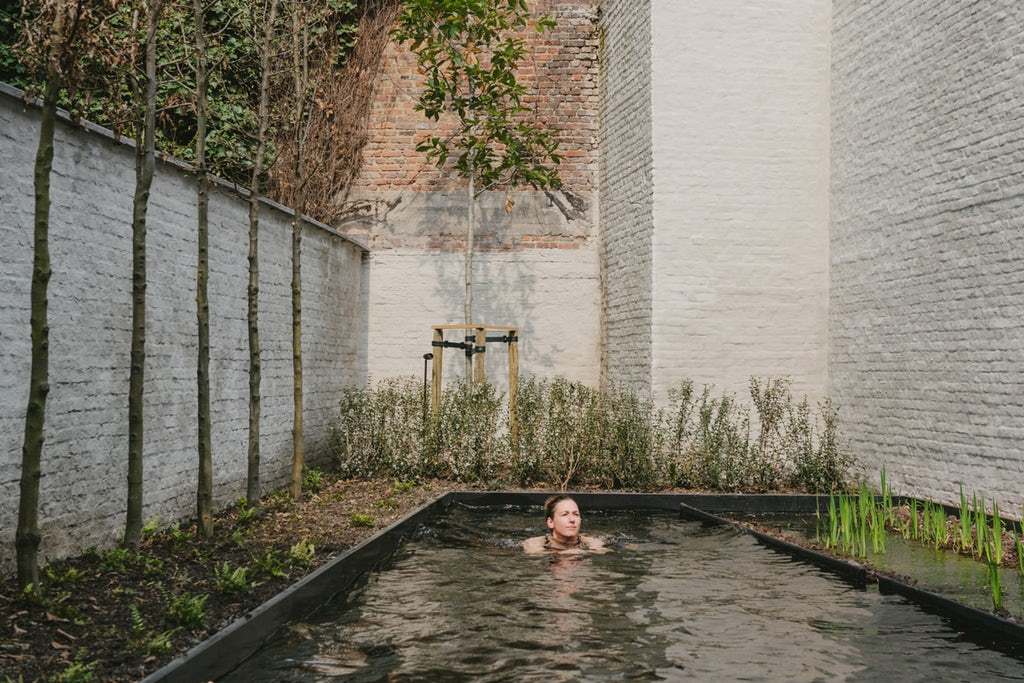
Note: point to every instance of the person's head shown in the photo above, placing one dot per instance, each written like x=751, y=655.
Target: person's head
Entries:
x=562, y=516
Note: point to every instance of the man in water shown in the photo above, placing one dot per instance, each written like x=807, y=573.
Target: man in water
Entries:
x=562, y=516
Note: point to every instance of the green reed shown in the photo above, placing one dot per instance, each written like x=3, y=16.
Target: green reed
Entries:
x=997, y=535
x=980, y=525
x=965, y=538
x=994, y=584
x=1018, y=545
x=854, y=519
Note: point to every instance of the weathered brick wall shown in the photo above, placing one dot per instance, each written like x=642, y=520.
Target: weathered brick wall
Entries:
x=741, y=144
x=626, y=217
x=535, y=267
x=927, y=284
x=84, y=460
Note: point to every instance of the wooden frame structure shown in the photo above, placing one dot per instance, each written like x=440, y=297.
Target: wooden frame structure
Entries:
x=475, y=346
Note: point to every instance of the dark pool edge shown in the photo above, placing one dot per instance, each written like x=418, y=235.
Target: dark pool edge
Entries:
x=229, y=647
x=616, y=500
x=979, y=621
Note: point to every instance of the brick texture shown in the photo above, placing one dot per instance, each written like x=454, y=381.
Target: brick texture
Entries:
x=84, y=461
x=927, y=278
x=626, y=210
x=535, y=267
x=740, y=129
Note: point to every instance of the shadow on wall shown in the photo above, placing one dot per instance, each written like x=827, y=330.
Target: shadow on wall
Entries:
x=505, y=290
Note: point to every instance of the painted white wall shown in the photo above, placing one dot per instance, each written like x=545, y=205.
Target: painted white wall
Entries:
x=740, y=99
x=927, y=284
x=551, y=294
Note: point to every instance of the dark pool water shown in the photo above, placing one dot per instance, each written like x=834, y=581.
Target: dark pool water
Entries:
x=675, y=600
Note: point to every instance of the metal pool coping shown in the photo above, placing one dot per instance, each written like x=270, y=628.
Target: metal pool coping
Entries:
x=975, y=621
x=228, y=648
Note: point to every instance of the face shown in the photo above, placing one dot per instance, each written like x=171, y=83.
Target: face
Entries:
x=565, y=521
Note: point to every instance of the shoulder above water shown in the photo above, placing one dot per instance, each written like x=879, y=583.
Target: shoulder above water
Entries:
x=541, y=544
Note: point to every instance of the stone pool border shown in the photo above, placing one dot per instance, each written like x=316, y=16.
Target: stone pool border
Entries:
x=228, y=648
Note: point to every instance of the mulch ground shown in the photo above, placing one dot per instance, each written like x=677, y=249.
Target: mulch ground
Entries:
x=120, y=614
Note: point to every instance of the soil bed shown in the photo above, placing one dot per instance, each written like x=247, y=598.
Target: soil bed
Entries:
x=119, y=614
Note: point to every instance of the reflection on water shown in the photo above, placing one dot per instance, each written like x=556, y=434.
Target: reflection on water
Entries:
x=674, y=601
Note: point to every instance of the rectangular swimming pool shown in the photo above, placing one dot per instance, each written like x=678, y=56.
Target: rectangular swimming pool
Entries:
x=674, y=600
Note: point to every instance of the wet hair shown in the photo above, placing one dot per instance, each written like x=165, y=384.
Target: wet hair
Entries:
x=551, y=503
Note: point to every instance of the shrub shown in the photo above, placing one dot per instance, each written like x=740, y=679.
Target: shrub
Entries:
x=570, y=434
x=361, y=519
x=188, y=610
x=231, y=580
x=301, y=554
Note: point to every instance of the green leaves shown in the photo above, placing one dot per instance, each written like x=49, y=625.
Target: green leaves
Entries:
x=469, y=53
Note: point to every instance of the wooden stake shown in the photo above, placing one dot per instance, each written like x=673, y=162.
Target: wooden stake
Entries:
x=513, y=386
x=438, y=364
x=479, y=371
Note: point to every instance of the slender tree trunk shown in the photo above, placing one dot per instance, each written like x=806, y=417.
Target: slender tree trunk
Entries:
x=27, y=537
x=470, y=227
x=299, y=46
x=145, y=161
x=252, y=486
x=204, y=492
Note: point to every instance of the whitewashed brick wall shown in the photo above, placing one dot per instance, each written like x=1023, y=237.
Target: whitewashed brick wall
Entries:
x=84, y=460
x=740, y=207
x=626, y=219
x=927, y=336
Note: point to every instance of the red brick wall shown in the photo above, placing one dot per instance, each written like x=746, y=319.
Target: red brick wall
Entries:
x=560, y=73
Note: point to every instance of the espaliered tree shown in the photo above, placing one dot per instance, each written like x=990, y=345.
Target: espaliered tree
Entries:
x=58, y=39
x=142, y=89
x=469, y=52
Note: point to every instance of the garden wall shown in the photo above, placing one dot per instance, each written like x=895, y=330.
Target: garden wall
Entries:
x=927, y=279
x=627, y=223
x=740, y=243
x=84, y=467
x=535, y=266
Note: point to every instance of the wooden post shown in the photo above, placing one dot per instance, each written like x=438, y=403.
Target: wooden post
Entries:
x=479, y=359
x=438, y=365
x=513, y=386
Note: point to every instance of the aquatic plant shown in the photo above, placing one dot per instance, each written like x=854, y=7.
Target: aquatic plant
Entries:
x=853, y=519
x=913, y=519
x=997, y=535
x=993, y=575
x=1018, y=545
x=965, y=537
x=980, y=525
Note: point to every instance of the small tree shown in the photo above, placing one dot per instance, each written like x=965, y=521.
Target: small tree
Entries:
x=316, y=26
x=57, y=39
x=268, y=23
x=469, y=52
x=204, y=489
x=143, y=106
